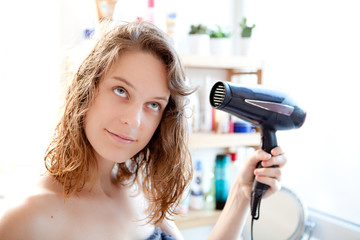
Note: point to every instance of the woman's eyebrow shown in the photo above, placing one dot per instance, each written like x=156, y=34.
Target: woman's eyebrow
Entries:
x=124, y=81
x=165, y=99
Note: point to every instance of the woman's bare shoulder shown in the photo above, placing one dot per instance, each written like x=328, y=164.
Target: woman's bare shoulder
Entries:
x=31, y=217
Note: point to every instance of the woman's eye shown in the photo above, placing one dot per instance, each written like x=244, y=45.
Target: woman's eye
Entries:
x=154, y=106
x=120, y=92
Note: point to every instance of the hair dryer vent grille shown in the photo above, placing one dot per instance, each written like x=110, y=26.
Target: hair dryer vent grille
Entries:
x=219, y=95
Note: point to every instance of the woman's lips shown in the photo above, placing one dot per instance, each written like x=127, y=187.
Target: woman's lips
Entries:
x=121, y=138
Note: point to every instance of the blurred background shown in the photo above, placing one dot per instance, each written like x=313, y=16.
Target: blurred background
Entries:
x=310, y=49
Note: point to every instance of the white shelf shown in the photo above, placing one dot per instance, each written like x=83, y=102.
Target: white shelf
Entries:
x=197, y=218
x=221, y=62
x=212, y=140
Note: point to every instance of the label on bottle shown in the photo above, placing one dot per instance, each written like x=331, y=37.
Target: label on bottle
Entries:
x=222, y=177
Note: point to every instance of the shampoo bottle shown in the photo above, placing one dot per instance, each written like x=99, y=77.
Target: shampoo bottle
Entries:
x=197, y=193
x=222, y=179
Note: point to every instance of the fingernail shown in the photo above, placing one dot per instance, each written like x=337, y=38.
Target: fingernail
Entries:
x=276, y=151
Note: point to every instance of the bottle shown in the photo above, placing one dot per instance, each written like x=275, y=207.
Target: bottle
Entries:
x=206, y=113
x=197, y=193
x=194, y=98
x=171, y=18
x=234, y=167
x=222, y=179
x=151, y=11
x=183, y=207
x=209, y=188
x=155, y=14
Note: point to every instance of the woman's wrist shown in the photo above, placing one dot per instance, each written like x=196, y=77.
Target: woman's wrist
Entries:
x=237, y=199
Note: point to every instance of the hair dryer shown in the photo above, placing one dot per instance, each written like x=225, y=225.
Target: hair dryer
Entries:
x=267, y=109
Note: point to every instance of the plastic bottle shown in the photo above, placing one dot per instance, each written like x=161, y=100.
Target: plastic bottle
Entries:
x=222, y=179
x=156, y=15
x=151, y=11
x=206, y=113
x=197, y=193
x=209, y=190
x=195, y=112
x=171, y=18
x=183, y=208
x=234, y=167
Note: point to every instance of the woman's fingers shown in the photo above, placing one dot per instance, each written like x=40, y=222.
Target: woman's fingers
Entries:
x=274, y=173
x=277, y=151
x=278, y=158
x=278, y=161
x=272, y=182
x=269, y=174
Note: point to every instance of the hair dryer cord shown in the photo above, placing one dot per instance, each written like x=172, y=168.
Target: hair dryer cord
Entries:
x=256, y=196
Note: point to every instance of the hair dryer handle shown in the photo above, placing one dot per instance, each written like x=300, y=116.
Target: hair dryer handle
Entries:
x=268, y=139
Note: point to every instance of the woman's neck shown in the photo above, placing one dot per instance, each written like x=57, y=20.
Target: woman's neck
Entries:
x=101, y=179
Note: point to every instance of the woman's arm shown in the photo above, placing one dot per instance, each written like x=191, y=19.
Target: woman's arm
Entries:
x=234, y=215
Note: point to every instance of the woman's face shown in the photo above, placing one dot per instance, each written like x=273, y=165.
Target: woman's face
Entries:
x=128, y=107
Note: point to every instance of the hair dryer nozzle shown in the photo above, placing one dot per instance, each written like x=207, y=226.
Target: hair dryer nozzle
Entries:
x=218, y=94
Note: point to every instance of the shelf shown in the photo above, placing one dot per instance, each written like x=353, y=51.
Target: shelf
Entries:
x=221, y=62
x=197, y=218
x=212, y=140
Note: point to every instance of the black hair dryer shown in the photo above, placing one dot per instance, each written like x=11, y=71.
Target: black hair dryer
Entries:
x=267, y=109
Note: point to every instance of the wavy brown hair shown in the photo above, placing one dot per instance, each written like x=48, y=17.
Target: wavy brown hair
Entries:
x=163, y=168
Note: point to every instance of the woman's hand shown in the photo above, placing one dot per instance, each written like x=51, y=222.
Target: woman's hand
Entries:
x=267, y=175
x=233, y=217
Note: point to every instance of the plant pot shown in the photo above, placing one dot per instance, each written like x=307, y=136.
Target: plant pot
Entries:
x=199, y=44
x=243, y=47
x=220, y=46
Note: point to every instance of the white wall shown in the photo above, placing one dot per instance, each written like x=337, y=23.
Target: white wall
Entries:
x=29, y=75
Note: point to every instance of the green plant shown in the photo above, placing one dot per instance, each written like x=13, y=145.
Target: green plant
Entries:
x=246, y=30
x=198, y=29
x=219, y=33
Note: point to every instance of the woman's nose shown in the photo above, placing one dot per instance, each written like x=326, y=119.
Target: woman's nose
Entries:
x=131, y=116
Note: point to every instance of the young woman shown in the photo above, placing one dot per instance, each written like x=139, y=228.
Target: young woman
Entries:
x=119, y=163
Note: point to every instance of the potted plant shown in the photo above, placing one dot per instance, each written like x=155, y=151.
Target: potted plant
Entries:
x=220, y=42
x=246, y=31
x=198, y=29
x=199, y=40
x=245, y=37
